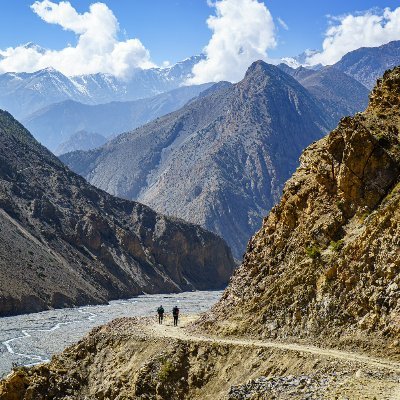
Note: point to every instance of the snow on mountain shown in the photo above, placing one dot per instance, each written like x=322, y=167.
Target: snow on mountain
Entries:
x=24, y=93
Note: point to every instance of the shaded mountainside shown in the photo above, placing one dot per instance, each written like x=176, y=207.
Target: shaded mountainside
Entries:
x=81, y=140
x=56, y=123
x=326, y=262
x=67, y=243
x=221, y=161
x=367, y=64
x=340, y=94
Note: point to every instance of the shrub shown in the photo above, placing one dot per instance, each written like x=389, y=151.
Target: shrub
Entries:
x=313, y=252
x=336, y=246
x=166, y=370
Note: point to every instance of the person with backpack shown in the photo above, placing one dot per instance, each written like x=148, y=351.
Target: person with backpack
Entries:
x=160, y=311
x=175, y=314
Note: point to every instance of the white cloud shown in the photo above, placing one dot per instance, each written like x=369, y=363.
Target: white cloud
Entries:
x=351, y=32
x=97, y=50
x=283, y=24
x=243, y=31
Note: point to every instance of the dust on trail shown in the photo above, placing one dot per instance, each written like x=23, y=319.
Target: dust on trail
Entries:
x=167, y=330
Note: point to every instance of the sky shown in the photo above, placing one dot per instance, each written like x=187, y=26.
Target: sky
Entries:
x=117, y=36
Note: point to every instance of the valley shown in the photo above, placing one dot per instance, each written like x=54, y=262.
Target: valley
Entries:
x=255, y=196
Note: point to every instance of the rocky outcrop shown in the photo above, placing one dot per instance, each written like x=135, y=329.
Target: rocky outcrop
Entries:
x=221, y=161
x=326, y=261
x=66, y=243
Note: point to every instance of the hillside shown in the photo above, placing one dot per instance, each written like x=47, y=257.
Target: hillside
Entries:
x=81, y=140
x=339, y=93
x=66, y=243
x=221, y=161
x=56, y=123
x=326, y=261
x=367, y=64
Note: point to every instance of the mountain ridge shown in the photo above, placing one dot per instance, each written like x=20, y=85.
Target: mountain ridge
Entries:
x=66, y=243
x=216, y=161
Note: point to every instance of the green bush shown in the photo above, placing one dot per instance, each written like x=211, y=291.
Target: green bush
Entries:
x=166, y=370
x=336, y=246
x=313, y=252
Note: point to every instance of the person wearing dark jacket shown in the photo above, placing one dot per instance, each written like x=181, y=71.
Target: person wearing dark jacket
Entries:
x=175, y=314
x=160, y=312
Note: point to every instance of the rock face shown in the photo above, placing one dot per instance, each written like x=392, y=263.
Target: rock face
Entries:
x=326, y=261
x=367, y=64
x=221, y=161
x=81, y=140
x=339, y=93
x=67, y=243
x=54, y=124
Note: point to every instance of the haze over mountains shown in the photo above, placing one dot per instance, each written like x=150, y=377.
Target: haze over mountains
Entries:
x=56, y=123
x=66, y=243
x=221, y=160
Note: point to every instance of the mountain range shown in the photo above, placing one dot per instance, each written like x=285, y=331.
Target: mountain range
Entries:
x=66, y=243
x=220, y=161
x=56, y=123
x=24, y=93
x=367, y=64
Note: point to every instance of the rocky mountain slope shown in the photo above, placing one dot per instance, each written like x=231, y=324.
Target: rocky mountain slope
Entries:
x=81, y=140
x=367, y=64
x=221, y=161
x=339, y=93
x=55, y=123
x=24, y=93
x=326, y=261
x=64, y=242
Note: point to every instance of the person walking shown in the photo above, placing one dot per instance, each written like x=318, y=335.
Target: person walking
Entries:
x=175, y=314
x=160, y=312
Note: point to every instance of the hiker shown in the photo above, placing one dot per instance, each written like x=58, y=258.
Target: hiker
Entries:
x=175, y=314
x=160, y=311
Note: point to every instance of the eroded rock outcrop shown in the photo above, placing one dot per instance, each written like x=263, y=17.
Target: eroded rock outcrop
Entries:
x=326, y=261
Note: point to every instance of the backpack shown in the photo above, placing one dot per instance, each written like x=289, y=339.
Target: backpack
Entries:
x=160, y=310
x=175, y=311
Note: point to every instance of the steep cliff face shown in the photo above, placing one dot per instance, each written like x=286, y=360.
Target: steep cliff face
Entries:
x=326, y=261
x=221, y=161
x=64, y=242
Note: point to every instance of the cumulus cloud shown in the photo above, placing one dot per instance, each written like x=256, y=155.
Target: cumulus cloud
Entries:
x=350, y=32
x=97, y=50
x=243, y=31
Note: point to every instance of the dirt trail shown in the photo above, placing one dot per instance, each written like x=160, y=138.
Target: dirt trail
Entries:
x=169, y=331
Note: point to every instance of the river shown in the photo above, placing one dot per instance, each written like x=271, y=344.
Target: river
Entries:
x=33, y=338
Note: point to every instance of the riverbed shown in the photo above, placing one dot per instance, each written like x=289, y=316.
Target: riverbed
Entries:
x=33, y=338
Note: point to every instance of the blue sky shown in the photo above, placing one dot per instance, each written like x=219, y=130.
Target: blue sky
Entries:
x=175, y=29
x=118, y=36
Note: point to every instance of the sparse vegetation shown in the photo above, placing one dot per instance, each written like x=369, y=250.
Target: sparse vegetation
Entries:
x=313, y=252
x=166, y=370
x=336, y=246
